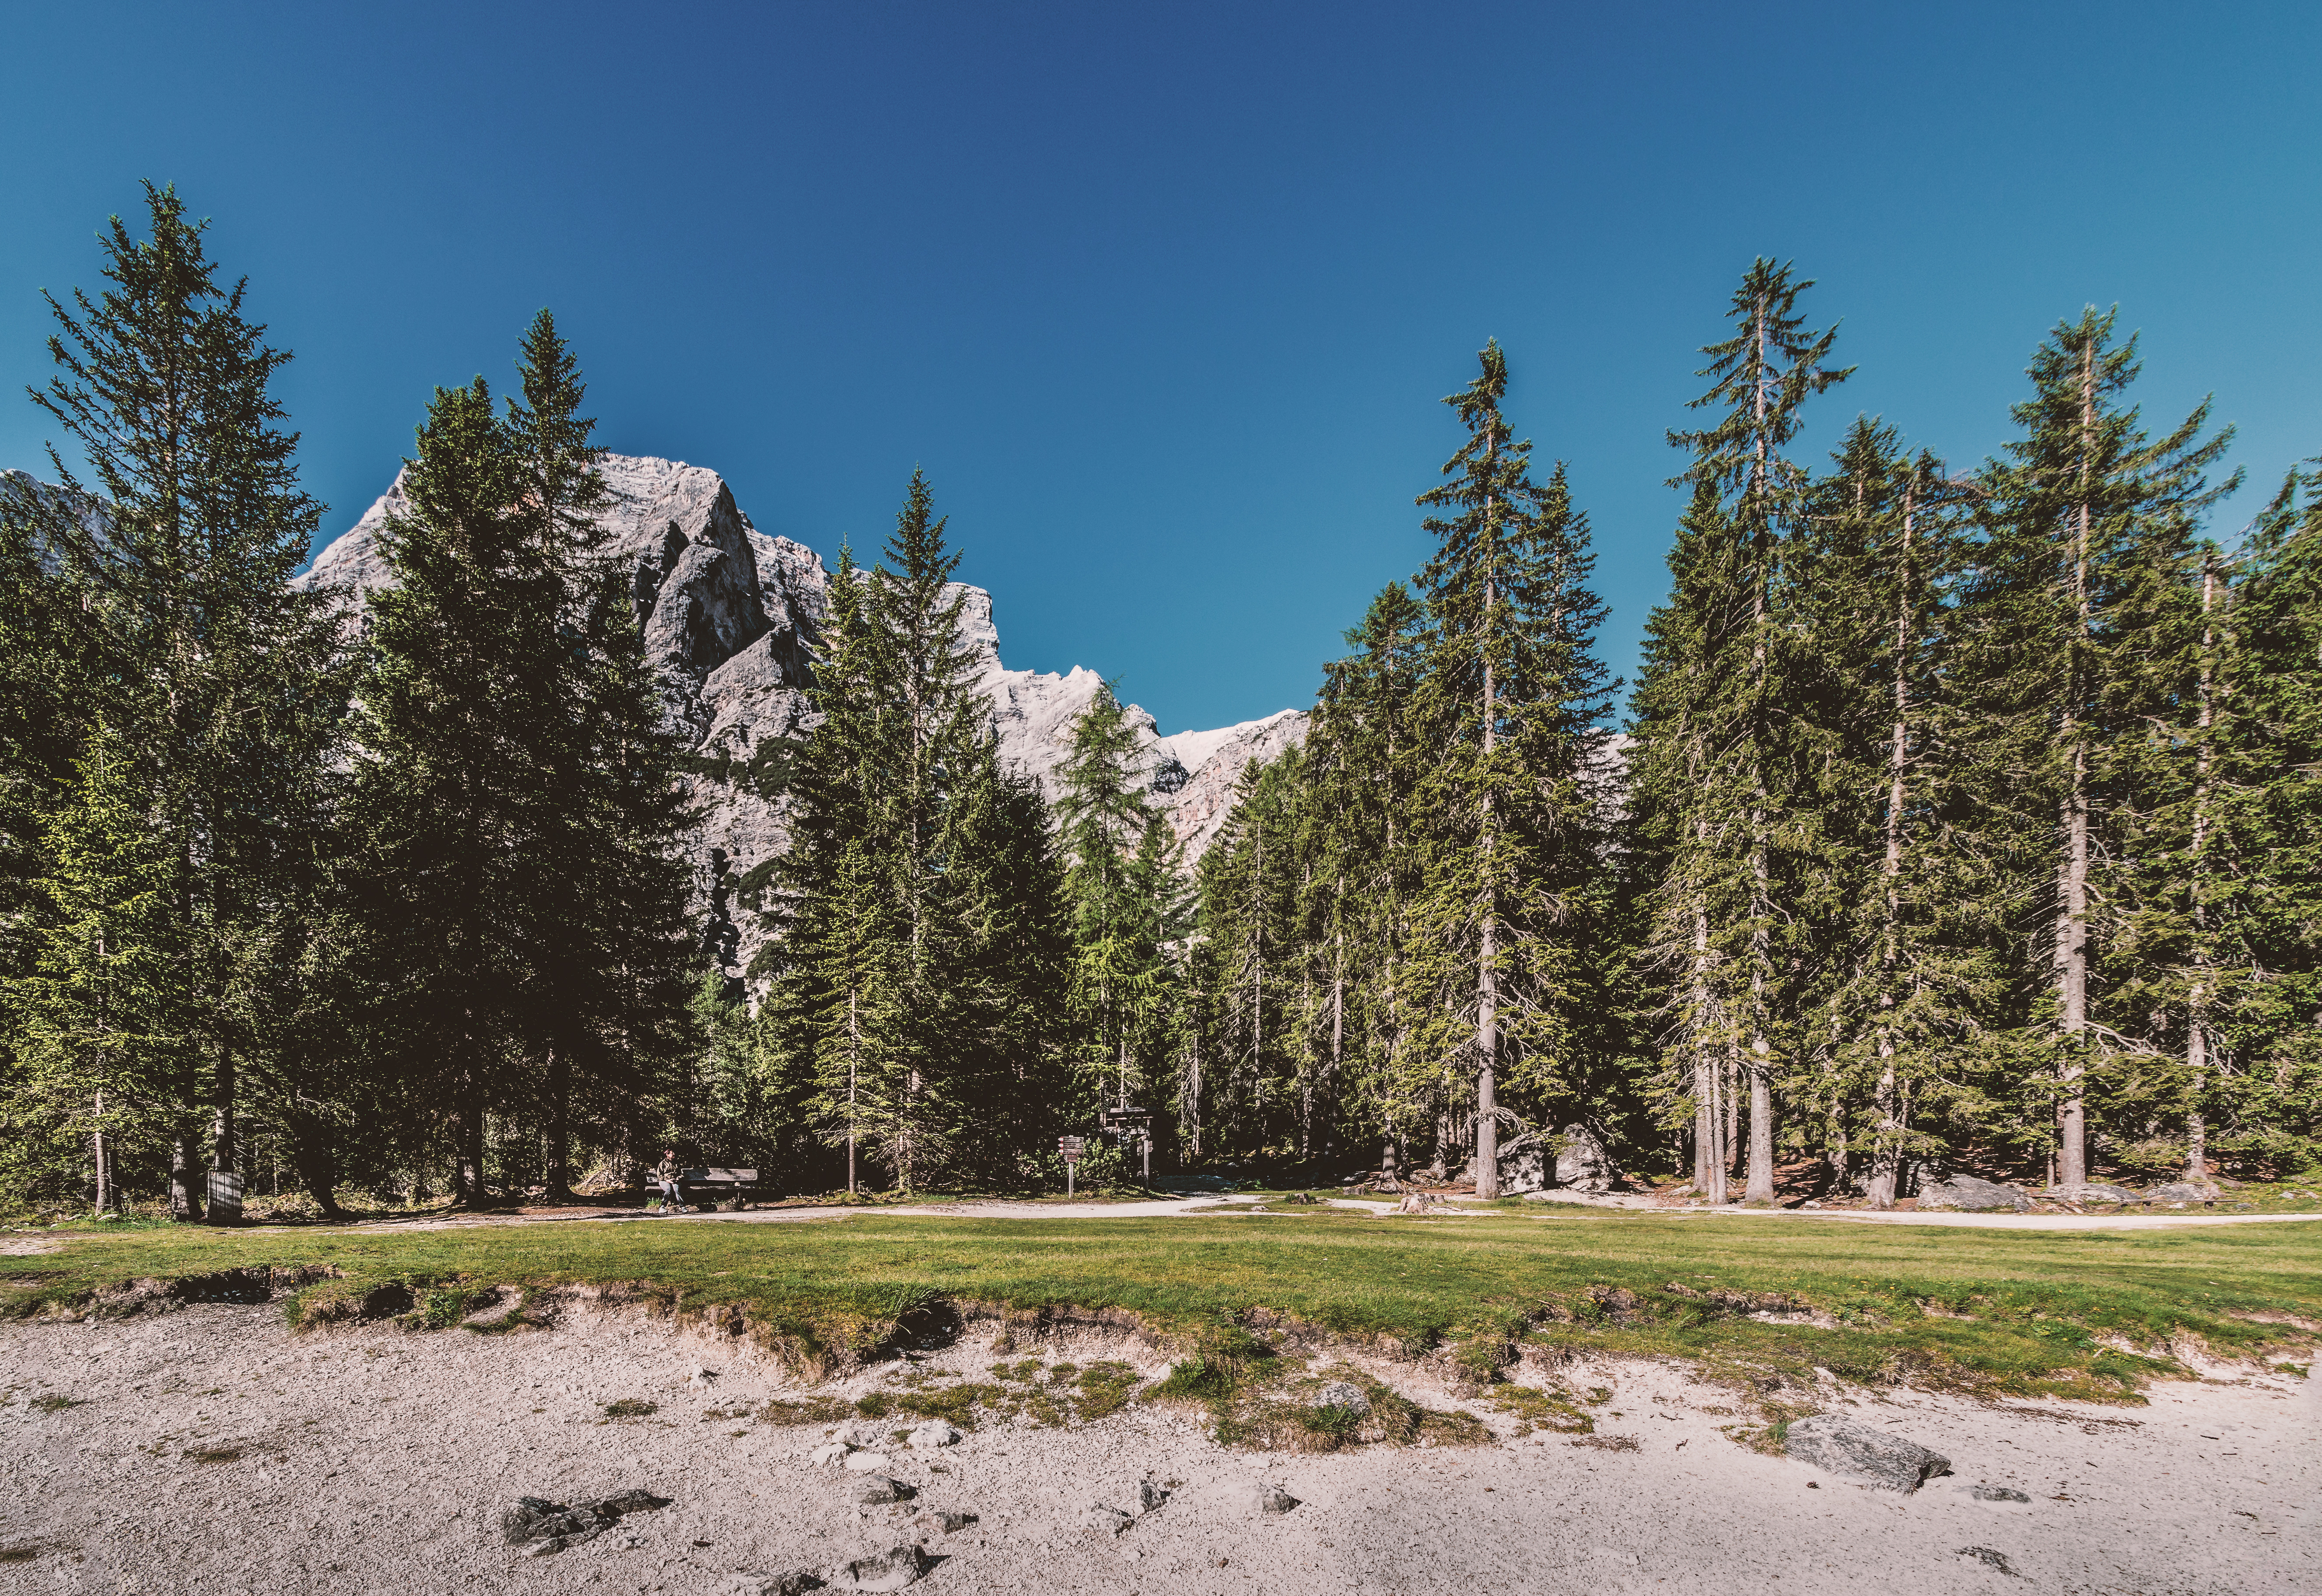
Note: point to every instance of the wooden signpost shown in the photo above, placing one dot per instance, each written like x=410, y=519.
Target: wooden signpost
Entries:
x=1131, y=1126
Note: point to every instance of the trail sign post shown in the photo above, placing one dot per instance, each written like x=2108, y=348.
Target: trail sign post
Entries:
x=1070, y=1147
x=1132, y=1126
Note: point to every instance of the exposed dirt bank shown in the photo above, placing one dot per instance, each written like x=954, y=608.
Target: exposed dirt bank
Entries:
x=211, y=1450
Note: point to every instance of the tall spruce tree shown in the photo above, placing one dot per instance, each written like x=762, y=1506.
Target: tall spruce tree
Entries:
x=459, y=739
x=210, y=670
x=943, y=953
x=1507, y=705
x=1751, y=498
x=2078, y=625
x=1116, y=872
x=1905, y=983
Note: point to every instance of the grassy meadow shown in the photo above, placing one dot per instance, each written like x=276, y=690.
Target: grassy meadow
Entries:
x=1759, y=1303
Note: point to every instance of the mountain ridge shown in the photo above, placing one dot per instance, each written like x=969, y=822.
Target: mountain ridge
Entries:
x=730, y=616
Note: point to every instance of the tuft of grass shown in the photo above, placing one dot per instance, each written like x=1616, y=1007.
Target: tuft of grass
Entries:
x=811, y=1410
x=49, y=1402
x=215, y=1453
x=1606, y=1443
x=631, y=1407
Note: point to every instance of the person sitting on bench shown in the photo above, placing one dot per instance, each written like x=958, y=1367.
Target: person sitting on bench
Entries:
x=665, y=1175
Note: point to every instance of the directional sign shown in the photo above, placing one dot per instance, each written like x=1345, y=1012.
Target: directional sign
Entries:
x=1070, y=1147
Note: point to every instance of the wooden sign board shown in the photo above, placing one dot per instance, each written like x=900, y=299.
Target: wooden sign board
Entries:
x=1070, y=1147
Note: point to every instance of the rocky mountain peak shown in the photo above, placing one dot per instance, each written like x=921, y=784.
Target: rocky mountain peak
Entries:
x=731, y=614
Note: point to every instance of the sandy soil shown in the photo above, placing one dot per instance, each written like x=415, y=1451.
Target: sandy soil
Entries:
x=375, y=1460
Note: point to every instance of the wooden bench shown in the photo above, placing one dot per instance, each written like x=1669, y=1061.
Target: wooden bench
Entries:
x=714, y=1185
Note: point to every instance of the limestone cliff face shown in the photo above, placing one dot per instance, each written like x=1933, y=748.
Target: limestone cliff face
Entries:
x=731, y=617
x=1217, y=759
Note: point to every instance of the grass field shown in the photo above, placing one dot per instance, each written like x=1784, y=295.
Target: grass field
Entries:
x=2086, y=1314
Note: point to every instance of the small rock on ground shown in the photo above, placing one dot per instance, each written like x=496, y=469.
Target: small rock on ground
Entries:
x=1988, y=1557
x=1341, y=1393
x=1997, y=1494
x=878, y=1490
x=1841, y=1445
x=890, y=1570
x=796, y=1582
x=1109, y=1520
x=1273, y=1500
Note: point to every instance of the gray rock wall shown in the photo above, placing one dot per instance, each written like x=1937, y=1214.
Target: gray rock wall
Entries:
x=731, y=616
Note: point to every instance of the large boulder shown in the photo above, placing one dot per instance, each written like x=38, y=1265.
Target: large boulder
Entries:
x=1974, y=1196
x=2090, y=1191
x=2182, y=1191
x=1838, y=1444
x=1524, y=1166
x=1582, y=1162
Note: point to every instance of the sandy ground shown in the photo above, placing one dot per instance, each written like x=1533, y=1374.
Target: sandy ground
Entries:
x=371, y=1459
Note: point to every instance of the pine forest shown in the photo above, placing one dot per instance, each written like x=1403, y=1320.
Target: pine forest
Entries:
x=1963, y=817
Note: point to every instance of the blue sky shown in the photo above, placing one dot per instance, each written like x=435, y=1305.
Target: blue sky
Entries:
x=1162, y=297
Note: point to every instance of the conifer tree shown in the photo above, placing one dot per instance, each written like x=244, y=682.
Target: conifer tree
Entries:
x=1508, y=702
x=1761, y=378
x=1905, y=982
x=458, y=748
x=1115, y=866
x=611, y=997
x=1362, y=753
x=214, y=672
x=2080, y=609
x=103, y=1029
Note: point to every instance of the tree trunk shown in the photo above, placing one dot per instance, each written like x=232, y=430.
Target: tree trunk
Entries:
x=1760, y=1186
x=468, y=1131
x=2197, y=1026
x=2071, y=937
x=1487, y=970
x=560, y=1126
x=105, y=1193
x=184, y=1171
x=221, y=1121
x=310, y=1155
x=1886, y=1150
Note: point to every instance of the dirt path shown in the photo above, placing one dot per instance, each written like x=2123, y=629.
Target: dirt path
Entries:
x=212, y=1451
x=1231, y=1205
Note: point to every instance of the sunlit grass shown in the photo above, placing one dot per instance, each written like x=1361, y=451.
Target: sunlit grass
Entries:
x=2078, y=1313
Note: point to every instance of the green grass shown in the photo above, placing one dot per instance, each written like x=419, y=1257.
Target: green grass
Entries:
x=2088, y=1314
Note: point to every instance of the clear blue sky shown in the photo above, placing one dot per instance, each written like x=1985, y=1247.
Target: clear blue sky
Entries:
x=1163, y=296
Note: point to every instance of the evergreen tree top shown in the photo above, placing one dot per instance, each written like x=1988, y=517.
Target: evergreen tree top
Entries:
x=1762, y=375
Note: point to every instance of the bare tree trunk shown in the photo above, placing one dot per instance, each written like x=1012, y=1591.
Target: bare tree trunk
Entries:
x=105, y=1194
x=853, y=1052
x=468, y=1177
x=185, y=1168
x=1886, y=1152
x=1708, y=1123
x=1760, y=1186
x=1488, y=971
x=2072, y=935
x=2196, y=1027
x=559, y=1124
